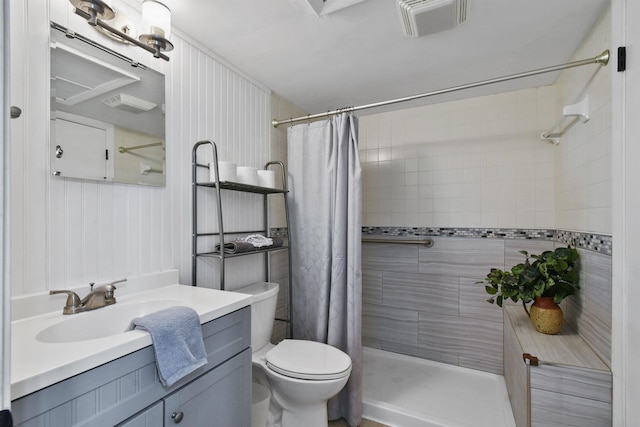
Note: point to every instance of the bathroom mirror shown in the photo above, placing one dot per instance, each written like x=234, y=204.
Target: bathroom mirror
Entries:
x=107, y=113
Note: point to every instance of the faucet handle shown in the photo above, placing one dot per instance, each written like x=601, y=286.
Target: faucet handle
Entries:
x=109, y=290
x=73, y=301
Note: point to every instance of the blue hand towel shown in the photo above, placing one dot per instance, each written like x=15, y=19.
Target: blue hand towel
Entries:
x=177, y=341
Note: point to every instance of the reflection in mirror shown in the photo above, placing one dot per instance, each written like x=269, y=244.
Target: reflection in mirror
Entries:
x=107, y=113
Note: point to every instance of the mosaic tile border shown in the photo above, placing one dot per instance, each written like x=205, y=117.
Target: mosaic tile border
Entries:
x=593, y=242
x=279, y=232
x=590, y=241
x=487, y=233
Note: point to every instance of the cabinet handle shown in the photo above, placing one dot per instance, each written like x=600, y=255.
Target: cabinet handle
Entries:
x=177, y=417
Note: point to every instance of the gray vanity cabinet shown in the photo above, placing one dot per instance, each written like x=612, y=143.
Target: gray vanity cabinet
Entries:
x=150, y=417
x=211, y=400
x=127, y=392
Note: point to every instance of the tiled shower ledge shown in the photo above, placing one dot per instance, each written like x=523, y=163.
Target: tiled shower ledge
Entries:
x=590, y=241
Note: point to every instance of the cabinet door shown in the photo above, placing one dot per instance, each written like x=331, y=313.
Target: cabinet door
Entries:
x=150, y=417
x=220, y=398
x=80, y=147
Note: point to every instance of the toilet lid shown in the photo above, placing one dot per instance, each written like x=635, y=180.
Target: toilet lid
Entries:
x=308, y=360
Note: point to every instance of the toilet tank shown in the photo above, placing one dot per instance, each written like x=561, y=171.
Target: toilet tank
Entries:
x=263, y=311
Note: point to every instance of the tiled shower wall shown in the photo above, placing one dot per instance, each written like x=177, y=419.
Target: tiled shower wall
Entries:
x=480, y=163
x=471, y=163
x=425, y=302
x=583, y=176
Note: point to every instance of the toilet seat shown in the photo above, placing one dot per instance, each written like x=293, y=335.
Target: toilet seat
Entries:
x=308, y=360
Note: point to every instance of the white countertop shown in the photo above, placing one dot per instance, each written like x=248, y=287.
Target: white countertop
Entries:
x=36, y=365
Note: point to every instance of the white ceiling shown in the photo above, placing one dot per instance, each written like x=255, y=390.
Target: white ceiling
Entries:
x=358, y=54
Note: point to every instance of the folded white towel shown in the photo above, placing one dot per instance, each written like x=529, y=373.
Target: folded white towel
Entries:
x=257, y=240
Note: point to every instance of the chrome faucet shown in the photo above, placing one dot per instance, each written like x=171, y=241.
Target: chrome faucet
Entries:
x=99, y=297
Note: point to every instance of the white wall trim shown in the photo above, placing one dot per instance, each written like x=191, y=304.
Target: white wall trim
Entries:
x=5, y=284
x=624, y=222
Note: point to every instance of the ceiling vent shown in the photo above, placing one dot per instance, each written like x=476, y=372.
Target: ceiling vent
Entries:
x=129, y=103
x=422, y=17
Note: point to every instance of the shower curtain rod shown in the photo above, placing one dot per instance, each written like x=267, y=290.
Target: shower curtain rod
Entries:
x=602, y=59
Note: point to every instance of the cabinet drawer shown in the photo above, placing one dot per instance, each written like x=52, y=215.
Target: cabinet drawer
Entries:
x=150, y=417
x=227, y=336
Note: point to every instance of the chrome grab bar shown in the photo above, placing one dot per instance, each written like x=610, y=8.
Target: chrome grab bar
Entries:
x=426, y=242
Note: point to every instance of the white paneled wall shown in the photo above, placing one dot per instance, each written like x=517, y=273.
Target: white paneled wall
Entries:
x=476, y=162
x=69, y=232
x=583, y=160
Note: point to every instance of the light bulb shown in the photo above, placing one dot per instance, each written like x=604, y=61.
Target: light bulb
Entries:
x=156, y=19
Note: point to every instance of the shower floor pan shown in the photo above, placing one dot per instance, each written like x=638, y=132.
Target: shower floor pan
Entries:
x=404, y=391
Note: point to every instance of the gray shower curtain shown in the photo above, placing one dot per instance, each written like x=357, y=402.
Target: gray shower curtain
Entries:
x=326, y=221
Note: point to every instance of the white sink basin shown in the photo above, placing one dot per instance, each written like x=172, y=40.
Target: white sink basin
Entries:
x=50, y=347
x=102, y=322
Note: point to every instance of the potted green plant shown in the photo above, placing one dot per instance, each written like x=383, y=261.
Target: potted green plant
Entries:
x=551, y=277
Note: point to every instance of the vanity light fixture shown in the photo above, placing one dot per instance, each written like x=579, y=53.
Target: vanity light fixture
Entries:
x=96, y=9
x=156, y=24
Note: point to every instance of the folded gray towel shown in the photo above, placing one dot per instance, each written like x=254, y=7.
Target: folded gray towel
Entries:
x=237, y=247
x=177, y=341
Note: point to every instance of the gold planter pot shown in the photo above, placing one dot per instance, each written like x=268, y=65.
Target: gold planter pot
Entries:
x=546, y=315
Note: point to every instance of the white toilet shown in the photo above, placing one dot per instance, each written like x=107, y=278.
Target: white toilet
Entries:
x=302, y=375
